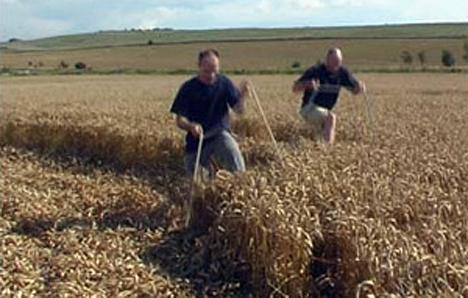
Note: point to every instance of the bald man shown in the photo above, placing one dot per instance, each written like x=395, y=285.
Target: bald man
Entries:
x=202, y=107
x=321, y=85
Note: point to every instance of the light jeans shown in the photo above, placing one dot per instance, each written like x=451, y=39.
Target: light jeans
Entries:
x=224, y=149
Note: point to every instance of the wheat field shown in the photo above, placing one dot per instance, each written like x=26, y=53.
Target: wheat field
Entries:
x=93, y=193
x=275, y=55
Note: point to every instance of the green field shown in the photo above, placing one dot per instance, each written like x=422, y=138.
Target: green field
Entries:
x=373, y=48
x=139, y=37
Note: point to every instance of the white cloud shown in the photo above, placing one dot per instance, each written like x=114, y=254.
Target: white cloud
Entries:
x=33, y=19
x=435, y=10
x=357, y=3
x=159, y=17
x=18, y=19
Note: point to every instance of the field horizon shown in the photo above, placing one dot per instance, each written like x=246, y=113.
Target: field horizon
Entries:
x=255, y=51
x=160, y=36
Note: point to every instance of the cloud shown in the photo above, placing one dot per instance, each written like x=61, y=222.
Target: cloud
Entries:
x=32, y=19
x=435, y=10
x=25, y=19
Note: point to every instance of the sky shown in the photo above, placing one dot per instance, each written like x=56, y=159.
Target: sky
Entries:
x=31, y=19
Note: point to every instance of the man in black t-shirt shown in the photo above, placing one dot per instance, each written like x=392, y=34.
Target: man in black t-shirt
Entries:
x=321, y=86
x=202, y=107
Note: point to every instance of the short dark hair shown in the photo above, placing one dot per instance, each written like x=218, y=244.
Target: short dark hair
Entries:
x=206, y=53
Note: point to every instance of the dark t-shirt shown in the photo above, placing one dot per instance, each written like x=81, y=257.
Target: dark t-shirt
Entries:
x=206, y=105
x=330, y=85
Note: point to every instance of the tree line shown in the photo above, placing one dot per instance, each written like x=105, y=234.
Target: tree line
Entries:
x=447, y=58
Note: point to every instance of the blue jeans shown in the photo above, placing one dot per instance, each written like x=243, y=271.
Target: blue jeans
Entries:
x=225, y=151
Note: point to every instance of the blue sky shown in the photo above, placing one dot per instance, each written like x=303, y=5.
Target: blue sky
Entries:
x=28, y=19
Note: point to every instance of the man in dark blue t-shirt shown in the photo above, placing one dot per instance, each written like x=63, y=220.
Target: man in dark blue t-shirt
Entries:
x=321, y=86
x=202, y=106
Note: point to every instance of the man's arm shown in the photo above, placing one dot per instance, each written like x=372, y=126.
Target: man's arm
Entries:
x=194, y=128
x=359, y=88
x=301, y=85
x=308, y=81
x=352, y=84
x=180, y=109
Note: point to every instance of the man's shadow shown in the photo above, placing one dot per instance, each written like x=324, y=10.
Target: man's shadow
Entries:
x=187, y=254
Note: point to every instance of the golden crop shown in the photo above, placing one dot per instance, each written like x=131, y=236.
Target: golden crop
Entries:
x=93, y=188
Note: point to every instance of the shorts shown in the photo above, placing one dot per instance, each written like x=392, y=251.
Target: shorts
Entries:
x=315, y=115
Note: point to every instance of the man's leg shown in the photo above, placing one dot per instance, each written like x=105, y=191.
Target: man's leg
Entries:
x=316, y=117
x=227, y=152
x=190, y=159
x=329, y=128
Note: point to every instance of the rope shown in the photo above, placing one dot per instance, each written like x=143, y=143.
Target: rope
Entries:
x=370, y=121
x=265, y=120
x=195, y=179
x=197, y=160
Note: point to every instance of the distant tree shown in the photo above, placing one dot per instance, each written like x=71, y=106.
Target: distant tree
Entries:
x=465, y=48
x=296, y=64
x=150, y=42
x=422, y=57
x=40, y=64
x=63, y=64
x=448, y=59
x=406, y=57
x=30, y=63
x=80, y=65
x=14, y=39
